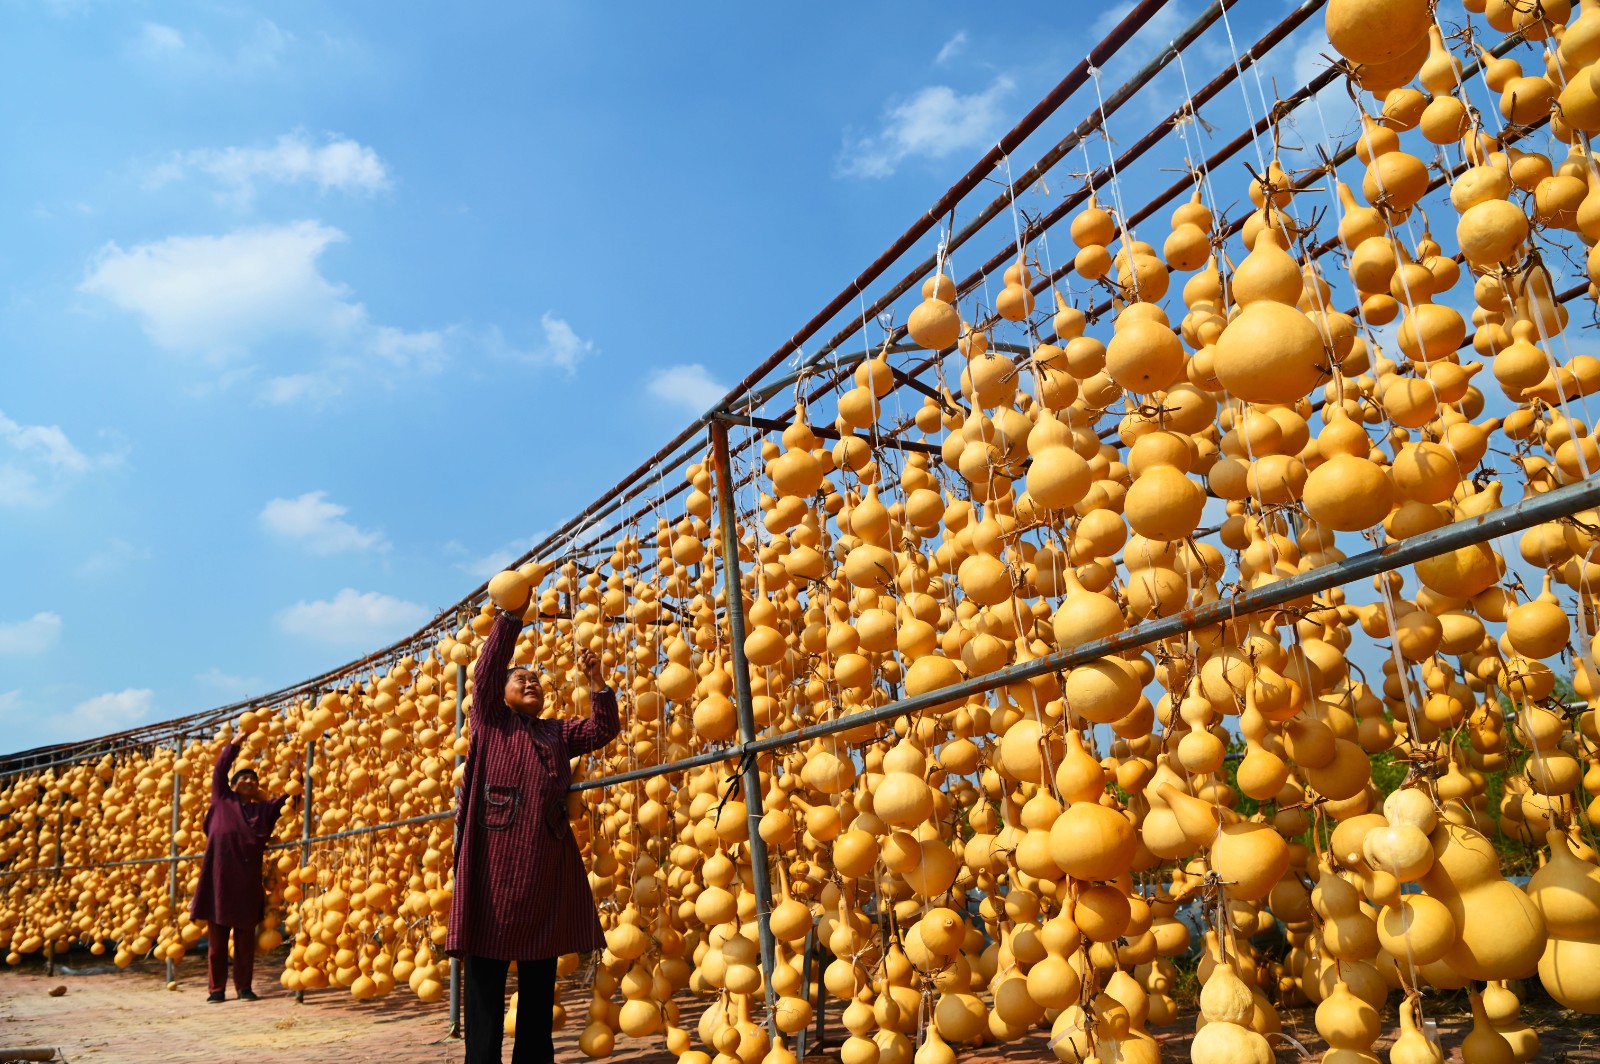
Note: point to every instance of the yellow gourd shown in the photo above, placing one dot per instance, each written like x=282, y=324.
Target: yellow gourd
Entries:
x=1566, y=893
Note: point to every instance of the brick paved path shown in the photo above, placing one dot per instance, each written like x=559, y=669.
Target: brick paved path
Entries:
x=129, y=1017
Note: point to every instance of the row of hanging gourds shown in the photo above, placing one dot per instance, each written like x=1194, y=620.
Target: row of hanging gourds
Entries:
x=1018, y=859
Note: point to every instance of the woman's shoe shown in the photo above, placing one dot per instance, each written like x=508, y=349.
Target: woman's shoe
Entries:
x=216, y=996
x=248, y=995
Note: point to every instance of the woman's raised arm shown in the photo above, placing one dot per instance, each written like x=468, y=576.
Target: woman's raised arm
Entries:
x=489, y=674
x=598, y=729
x=219, y=775
x=601, y=727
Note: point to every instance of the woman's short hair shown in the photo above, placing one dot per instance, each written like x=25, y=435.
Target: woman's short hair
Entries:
x=241, y=774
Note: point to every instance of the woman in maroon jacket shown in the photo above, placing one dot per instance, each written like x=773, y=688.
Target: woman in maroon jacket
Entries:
x=521, y=892
x=229, y=896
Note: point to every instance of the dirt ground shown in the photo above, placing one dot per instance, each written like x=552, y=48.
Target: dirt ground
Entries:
x=129, y=1017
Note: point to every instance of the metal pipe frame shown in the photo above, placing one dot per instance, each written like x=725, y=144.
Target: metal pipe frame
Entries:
x=733, y=586
x=743, y=393
x=455, y=962
x=1552, y=505
x=1557, y=503
x=646, y=472
x=305, y=830
x=172, y=867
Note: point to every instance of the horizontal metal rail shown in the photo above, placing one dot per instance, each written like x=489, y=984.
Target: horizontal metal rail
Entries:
x=1560, y=502
x=1535, y=509
x=26, y=761
x=648, y=471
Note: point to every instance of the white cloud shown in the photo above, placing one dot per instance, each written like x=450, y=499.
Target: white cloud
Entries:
x=689, y=386
x=297, y=388
x=952, y=48
x=486, y=565
x=353, y=618
x=31, y=637
x=156, y=39
x=114, y=556
x=934, y=123
x=218, y=298
x=562, y=346
x=37, y=462
x=188, y=53
x=339, y=164
x=318, y=525
x=217, y=295
x=1332, y=105
x=404, y=350
x=29, y=724
x=46, y=443
x=113, y=711
x=225, y=683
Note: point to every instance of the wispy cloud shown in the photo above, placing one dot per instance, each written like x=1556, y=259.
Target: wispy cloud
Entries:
x=558, y=346
x=113, y=711
x=224, y=300
x=157, y=39
x=225, y=683
x=217, y=296
x=38, y=462
x=353, y=618
x=32, y=637
x=952, y=48
x=218, y=299
x=483, y=566
x=338, y=164
x=113, y=557
x=259, y=48
x=690, y=387
x=933, y=123
x=318, y=525
x=29, y=724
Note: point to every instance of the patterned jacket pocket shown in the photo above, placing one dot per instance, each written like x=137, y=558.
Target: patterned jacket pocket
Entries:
x=499, y=810
x=555, y=816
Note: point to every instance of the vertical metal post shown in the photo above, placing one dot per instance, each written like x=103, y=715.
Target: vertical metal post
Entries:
x=61, y=816
x=805, y=986
x=455, y=962
x=305, y=823
x=733, y=584
x=172, y=857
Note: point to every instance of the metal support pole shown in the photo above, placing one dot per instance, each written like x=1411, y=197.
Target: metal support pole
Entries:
x=305, y=824
x=805, y=986
x=1552, y=505
x=455, y=962
x=733, y=585
x=172, y=868
x=61, y=816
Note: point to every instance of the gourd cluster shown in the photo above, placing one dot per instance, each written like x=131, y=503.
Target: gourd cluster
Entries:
x=1018, y=859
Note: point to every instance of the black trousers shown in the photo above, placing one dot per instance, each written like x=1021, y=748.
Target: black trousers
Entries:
x=485, y=1009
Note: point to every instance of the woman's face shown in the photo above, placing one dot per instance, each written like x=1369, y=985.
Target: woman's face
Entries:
x=523, y=692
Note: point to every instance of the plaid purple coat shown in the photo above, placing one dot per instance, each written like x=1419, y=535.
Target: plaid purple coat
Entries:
x=229, y=892
x=521, y=891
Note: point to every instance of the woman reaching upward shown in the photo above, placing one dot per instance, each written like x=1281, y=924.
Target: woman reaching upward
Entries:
x=521, y=890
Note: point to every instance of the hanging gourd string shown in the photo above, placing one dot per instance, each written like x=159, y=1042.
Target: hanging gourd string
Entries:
x=1402, y=670
x=1104, y=129
x=1538, y=322
x=1199, y=148
x=1249, y=109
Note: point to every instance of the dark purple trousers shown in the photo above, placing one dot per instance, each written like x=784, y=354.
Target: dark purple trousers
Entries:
x=244, y=957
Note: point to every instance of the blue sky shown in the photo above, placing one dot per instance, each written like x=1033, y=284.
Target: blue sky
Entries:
x=316, y=314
